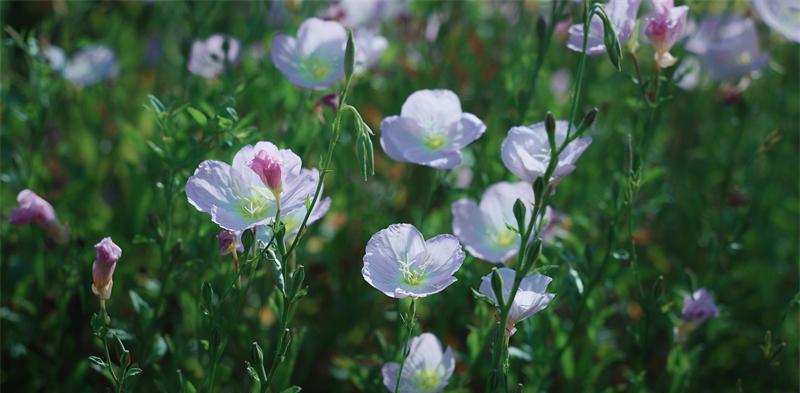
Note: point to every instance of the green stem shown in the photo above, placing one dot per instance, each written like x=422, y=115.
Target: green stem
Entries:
x=410, y=322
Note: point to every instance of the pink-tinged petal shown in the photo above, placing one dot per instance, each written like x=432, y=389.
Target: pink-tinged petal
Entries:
x=298, y=188
x=595, y=45
x=497, y=203
x=525, y=152
x=369, y=48
x=32, y=208
x=425, y=352
x=465, y=131
x=209, y=57
x=699, y=306
x=432, y=109
x=384, y=252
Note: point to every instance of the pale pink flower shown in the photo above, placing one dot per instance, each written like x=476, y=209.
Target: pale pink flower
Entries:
x=103, y=267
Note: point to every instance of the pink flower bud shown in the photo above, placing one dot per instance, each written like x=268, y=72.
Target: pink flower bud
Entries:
x=33, y=209
x=665, y=27
x=103, y=268
x=268, y=169
x=227, y=241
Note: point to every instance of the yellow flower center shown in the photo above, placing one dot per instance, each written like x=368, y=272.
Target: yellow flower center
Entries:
x=427, y=380
x=434, y=141
x=744, y=58
x=257, y=205
x=504, y=238
x=315, y=68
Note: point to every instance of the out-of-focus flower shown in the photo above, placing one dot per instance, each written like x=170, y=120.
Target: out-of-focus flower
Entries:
x=621, y=13
x=461, y=176
x=358, y=13
x=526, y=151
x=426, y=369
x=400, y=263
x=560, y=82
x=782, y=16
x=211, y=57
x=431, y=130
x=369, y=47
x=228, y=241
x=33, y=209
x=103, y=267
x=665, y=27
x=530, y=298
x=697, y=307
x=689, y=73
x=315, y=58
x=484, y=228
x=237, y=198
x=557, y=225
x=728, y=47
x=91, y=65
x=55, y=57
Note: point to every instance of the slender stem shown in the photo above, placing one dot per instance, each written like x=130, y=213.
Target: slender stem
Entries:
x=410, y=322
x=523, y=267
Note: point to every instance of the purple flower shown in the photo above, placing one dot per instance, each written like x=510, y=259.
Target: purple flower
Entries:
x=91, y=65
x=484, y=228
x=431, y=130
x=530, y=298
x=315, y=59
x=526, y=151
x=399, y=262
x=665, y=27
x=55, y=57
x=237, y=198
x=781, y=16
x=33, y=209
x=426, y=369
x=621, y=13
x=728, y=47
x=209, y=58
x=103, y=267
x=699, y=306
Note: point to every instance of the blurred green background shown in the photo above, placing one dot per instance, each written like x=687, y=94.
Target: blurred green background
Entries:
x=717, y=208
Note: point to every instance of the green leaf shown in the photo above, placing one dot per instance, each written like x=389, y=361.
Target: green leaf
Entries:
x=156, y=103
x=140, y=306
x=198, y=116
x=293, y=389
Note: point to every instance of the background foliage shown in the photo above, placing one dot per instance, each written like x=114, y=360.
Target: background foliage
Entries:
x=717, y=207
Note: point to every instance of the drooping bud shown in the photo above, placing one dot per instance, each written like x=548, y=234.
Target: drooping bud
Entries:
x=269, y=170
x=227, y=242
x=34, y=209
x=105, y=262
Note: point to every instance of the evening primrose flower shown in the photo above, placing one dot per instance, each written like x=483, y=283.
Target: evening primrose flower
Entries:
x=33, y=209
x=431, y=130
x=697, y=307
x=237, y=198
x=485, y=228
x=400, y=263
x=358, y=13
x=210, y=57
x=426, y=369
x=107, y=255
x=621, y=13
x=782, y=16
x=665, y=27
x=315, y=58
x=728, y=47
x=526, y=151
x=369, y=46
x=91, y=65
x=530, y=298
